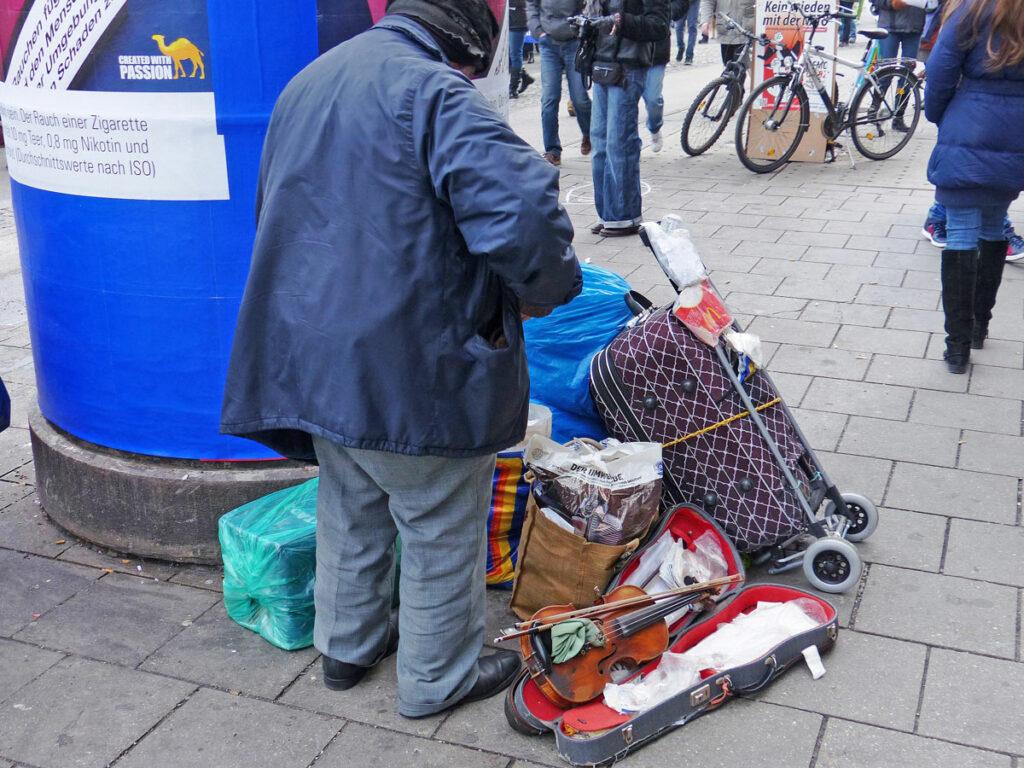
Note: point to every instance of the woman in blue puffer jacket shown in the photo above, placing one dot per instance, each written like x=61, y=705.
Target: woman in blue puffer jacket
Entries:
x=975, y=93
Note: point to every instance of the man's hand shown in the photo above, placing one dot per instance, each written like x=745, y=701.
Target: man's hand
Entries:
x=526, y=311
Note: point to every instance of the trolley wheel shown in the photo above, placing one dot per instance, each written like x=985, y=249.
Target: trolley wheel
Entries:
x=862, y=513
x=515, y=719
x=832, y=565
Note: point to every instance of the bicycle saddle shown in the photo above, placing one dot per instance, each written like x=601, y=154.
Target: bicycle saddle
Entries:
x=874, y=34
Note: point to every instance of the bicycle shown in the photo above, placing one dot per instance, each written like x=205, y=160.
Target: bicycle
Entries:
x=776, y=115
x=718, y=101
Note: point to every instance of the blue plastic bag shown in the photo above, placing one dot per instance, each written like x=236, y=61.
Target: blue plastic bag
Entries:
x=565, y=426
x=559, y=349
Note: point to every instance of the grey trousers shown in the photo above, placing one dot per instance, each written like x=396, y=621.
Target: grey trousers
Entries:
x=439, y=506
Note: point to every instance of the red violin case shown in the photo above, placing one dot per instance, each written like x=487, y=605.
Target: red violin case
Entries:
x=595, y=734
x=684, y=522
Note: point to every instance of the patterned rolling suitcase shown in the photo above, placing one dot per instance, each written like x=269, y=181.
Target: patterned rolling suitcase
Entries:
x=657, y=382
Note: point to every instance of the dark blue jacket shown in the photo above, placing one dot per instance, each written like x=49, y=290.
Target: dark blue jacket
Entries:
x=401, y=225
x=979, y=157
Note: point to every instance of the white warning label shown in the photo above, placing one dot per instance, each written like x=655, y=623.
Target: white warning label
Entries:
x=140, y=146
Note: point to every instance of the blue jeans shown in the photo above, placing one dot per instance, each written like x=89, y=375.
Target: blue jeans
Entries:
x=688, y=25
x=439, y=506
x=937, y=213
x=515, y=48
x=909, y=42
x=557, y=59
x=653, y=99
x=966, y=226
x=616, y=163
x=847, y=27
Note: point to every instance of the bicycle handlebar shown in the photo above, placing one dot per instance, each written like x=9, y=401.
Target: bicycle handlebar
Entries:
x=737, y=26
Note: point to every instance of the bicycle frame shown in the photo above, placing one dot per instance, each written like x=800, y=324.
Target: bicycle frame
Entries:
x=736, y=70
x=805, y=66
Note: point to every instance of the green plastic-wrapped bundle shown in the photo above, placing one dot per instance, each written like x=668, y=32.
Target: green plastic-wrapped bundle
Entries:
x=269, y=552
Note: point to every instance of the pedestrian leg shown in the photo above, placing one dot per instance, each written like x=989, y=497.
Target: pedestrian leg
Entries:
x=599, y=138
x=355, y=544
x=440, y=507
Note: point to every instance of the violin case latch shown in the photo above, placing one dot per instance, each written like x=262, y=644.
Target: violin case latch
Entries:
x=700, y=696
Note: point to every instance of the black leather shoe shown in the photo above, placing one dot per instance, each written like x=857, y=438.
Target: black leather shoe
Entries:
x=495, y=673
x=619, y=231
x=978, y=335
x=957, y=358
x=340, y=675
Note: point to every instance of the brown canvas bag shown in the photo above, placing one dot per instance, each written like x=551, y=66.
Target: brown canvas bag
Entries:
x=557, y=567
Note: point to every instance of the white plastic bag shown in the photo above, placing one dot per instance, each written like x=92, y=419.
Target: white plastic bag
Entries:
x=750, y=636
x=538, y=422
x=674, y=673
x=675, y=251
x=746, y=638
x=704, y=561
x=651, y=560
x=609, y=491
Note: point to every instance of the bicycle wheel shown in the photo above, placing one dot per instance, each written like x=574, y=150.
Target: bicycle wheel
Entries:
x=771, y=123
x=708, y=115
x=883, y=117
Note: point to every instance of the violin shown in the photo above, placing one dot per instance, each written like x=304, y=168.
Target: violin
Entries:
x=625, y=630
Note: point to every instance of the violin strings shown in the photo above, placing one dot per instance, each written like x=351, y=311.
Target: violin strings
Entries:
x=637, y=623
x=598, y=609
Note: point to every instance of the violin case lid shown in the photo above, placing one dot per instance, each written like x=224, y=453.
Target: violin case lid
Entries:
x=594, y=734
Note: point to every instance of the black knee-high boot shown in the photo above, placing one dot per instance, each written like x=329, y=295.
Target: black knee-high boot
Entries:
x=513, y=83
x=959, y=275
x=525, y=80
x=991, y=259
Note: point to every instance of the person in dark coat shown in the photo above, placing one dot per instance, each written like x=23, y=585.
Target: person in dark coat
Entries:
x=404, y=230
x=684, y=19
x=519, y=78
x=904, y=23
x=975, y=75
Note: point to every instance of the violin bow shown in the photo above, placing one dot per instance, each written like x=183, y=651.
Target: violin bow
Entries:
x=528, y=627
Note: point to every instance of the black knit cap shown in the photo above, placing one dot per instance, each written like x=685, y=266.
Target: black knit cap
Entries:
x=466, y=30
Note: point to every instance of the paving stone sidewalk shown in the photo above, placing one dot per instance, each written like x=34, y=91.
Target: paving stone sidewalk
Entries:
x=108, y=660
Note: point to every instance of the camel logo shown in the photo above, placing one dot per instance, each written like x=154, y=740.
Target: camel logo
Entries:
x=181, y=50
x=165, y=66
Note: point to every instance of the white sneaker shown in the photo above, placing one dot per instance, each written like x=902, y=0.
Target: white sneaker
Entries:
x=657, y=142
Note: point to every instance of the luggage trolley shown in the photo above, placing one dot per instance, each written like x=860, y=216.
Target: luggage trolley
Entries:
x=822, y=545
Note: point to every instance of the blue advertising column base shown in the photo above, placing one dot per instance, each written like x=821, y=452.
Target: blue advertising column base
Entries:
x=146, y=506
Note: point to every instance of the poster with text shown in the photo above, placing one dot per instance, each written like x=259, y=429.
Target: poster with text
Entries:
x=111, y=98
x=777, y=20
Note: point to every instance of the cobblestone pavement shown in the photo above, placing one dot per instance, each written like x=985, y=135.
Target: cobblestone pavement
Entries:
x=107, y=660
